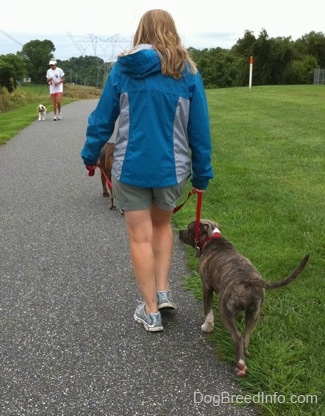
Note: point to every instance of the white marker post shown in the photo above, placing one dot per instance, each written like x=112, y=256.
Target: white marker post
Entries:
x=251, y=60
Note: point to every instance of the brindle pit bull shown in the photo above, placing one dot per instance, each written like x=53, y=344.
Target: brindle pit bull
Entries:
x=106, y=162
x=239, y=285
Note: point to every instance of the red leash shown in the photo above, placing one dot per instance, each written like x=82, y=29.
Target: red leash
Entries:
x=109, y=183
x=181, y=205
x=91, y=172
x=198, y=216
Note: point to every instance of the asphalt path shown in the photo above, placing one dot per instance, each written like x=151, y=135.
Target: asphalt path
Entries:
x=68, y=342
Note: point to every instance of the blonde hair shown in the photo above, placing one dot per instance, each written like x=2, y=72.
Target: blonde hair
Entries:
x=157, y=27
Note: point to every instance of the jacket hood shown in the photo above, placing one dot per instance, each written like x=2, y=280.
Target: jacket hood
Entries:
x=141, y=62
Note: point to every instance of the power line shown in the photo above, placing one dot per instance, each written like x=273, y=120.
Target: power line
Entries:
x=76, y=44
x=10, y=37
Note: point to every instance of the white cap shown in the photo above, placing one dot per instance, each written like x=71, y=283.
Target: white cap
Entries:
x=52, y=62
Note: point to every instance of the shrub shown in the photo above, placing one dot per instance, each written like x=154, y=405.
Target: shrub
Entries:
x=4, y=99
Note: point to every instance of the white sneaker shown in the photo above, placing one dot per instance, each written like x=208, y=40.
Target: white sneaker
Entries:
x=60, y=117
x=54, y=118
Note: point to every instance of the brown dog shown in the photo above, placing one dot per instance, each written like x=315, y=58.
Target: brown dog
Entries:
x=240, y=287
x=106, y=162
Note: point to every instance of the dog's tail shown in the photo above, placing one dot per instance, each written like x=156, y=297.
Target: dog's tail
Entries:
x=287, y=280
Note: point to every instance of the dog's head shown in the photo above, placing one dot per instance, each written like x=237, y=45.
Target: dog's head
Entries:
x=41, y=108
x=206, y=230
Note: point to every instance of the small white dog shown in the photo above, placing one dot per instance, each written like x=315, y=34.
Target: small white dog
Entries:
x=41, y=112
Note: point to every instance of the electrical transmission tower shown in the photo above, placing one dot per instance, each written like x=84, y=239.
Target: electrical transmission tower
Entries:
x=103, y=48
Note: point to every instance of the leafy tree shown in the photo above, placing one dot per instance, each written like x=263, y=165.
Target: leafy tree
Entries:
x=37, y=54
x=217, y=66
x=312, y=44
x=280, y=59
x=272, y=58
x=262, y=59
x=86, y=70
x=302, y=70
x=244, y=46
x=12, y=70
x=242, y=50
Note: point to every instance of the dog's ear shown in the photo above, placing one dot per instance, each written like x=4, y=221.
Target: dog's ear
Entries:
x=207, y=227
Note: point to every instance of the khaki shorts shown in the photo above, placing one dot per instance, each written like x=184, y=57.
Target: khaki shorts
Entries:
x=132, y=198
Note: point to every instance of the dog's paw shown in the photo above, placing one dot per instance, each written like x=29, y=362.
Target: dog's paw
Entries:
x=207, y=327
x=241, y=369
x=208, y=323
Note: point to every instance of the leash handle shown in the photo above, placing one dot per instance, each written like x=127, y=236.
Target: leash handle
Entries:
x=91, y=170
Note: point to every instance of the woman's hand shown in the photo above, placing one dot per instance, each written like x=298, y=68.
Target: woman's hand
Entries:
x=197, y=191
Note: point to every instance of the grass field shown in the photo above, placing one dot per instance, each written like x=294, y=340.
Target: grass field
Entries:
x=268, y=196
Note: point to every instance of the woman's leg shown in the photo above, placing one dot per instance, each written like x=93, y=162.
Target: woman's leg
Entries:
x=58, y=102
x=53, y=96
x=140, y=231
x=162, y=245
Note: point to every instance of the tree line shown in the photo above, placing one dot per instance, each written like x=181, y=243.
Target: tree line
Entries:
x=277, y=61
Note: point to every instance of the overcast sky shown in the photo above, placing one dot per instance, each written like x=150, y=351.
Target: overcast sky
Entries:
x=104, y=30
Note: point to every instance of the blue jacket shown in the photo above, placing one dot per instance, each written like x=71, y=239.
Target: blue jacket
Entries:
x=163, y=133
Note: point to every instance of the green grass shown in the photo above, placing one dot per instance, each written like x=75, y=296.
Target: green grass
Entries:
x=268, y=196
x=24, y=112
x=24, y=102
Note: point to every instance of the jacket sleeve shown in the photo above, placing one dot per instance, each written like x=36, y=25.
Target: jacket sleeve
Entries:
x=101, y=122
x=199, y=136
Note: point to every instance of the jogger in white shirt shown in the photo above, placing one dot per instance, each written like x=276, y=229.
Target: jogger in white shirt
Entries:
x=55, y=79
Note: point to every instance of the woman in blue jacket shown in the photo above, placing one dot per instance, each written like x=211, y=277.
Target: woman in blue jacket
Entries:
x=163, y=139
